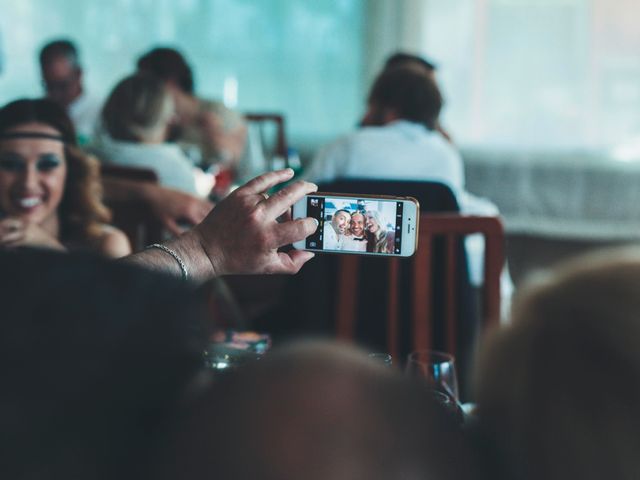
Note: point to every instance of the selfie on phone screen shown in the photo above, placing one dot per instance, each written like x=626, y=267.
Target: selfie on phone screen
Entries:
x=358, y=225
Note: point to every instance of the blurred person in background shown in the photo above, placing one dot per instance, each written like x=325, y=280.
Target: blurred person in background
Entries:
x=50, y=193
x=62, y=77
x=218, y=133
x=399, y=141
x=134, y=126
x=558, y=390
x=326, y=411
x=399, y=59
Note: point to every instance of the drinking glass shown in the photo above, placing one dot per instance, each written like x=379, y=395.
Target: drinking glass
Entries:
x=383, y=358
x=437, y=368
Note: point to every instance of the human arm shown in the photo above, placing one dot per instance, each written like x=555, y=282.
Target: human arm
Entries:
x=241, y=235
x=170, y=206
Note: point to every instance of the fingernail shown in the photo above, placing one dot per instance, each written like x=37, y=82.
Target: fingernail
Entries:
x=317, y=221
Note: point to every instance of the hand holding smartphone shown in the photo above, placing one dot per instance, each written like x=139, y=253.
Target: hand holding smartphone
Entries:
x=360, y=224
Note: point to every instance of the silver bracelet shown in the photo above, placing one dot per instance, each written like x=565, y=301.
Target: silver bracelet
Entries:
x=183, y=267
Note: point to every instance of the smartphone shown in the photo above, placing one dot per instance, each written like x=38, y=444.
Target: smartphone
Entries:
x=360, y=224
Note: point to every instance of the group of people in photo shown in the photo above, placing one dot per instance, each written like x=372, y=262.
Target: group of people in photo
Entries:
x=359, y=230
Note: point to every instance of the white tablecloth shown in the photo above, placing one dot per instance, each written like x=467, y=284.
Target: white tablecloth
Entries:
x=570, y=195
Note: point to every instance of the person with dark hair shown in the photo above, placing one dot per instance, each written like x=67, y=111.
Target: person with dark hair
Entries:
x=401, y=93
x=355, y=239
x=135, y=123
x=317, y=411
x=218, y=132
x=50, y=192
x=399, y=141
x=403, y=58
x=400, y=59
x=334, y=235
x=62, y=78
x=97, y=358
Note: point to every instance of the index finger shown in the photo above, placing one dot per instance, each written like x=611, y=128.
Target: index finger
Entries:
x=266, y=181
x=282, y=200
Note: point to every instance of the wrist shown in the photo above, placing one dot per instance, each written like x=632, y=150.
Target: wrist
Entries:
x=213, y=255
x=198, y=259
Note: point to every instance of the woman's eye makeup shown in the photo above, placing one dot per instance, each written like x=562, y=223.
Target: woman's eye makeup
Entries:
x=11, y=162
x=48, y=162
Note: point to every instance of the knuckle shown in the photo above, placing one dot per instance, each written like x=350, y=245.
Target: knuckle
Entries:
x=256, y=215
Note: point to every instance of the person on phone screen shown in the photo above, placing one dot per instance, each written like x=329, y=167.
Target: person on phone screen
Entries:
x=379, y=240
x=356, y=240
x=334, y=236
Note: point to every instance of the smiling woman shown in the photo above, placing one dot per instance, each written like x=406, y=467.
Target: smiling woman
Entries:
x=49, y=190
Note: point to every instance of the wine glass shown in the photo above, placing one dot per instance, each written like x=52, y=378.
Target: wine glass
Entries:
x=437, y=368
x=382, y=358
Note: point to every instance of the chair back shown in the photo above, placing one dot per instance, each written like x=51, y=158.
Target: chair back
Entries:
x=424, y=332
x=137, y=174
x=271, y=148
x=134, y=217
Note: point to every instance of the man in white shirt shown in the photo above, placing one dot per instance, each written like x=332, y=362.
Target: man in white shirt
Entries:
x=400, y=141
x=356, y=240
x=62, y=79
x=335, y=234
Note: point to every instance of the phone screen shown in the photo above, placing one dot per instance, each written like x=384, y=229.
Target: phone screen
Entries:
x=349, y=224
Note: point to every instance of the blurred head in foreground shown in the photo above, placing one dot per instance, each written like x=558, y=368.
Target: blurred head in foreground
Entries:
x=95, y=358
x=318, y=411
x=558, y=391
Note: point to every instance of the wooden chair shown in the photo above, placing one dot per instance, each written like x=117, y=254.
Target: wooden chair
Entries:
x=280, y=147
x=432, y=226
x=133, y=217
x=129, y=173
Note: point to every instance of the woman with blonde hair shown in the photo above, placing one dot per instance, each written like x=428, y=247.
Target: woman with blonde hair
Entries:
x=379, y=240
x=135, y=122
x=559, y=390
x=50, y=192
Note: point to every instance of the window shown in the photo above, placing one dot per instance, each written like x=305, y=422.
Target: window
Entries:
x=537, y=73
x=303, y=58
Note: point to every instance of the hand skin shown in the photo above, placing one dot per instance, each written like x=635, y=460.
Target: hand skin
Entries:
x=170, y=206
x=242, y=234
x=16, y=232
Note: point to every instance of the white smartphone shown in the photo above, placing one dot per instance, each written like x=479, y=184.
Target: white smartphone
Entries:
x=360, y=224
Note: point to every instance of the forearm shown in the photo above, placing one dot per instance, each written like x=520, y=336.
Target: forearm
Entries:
x=188, y=248
x=120, y=190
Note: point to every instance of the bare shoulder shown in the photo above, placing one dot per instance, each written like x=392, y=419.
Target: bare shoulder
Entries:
x=112, y=242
